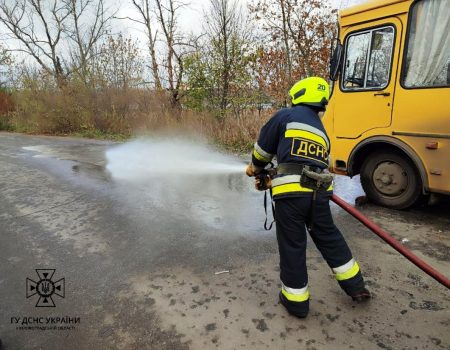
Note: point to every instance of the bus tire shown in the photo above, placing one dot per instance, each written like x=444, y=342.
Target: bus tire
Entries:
x=391, y=179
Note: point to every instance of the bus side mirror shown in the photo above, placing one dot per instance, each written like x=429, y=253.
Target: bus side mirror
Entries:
x=336, y=60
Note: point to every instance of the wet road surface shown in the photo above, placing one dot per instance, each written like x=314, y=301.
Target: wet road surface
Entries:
x=140, y=262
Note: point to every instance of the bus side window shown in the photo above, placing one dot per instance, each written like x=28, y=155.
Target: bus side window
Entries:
x=380, y=58
x=355, y=60
x=427, y=61
x=368, y=59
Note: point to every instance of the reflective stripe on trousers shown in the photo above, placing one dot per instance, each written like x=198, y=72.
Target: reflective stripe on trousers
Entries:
x=296, y=295
x=346, y=271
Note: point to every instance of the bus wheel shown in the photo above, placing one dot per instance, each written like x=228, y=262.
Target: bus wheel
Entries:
x=390, y=179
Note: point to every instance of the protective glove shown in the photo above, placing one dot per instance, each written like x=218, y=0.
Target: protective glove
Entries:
x=250, y=171
x=263, y=182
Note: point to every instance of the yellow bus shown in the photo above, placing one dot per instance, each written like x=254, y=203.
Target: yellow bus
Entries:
x=389, y=114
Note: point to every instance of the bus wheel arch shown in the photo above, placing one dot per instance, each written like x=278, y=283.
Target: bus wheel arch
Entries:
x=392, y=174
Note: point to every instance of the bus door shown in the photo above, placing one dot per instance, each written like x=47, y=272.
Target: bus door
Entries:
x=367, y=82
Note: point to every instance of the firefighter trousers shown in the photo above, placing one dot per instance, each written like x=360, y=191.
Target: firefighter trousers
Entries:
x=292, y=214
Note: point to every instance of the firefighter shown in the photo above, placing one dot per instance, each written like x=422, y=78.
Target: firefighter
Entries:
x=301, y=192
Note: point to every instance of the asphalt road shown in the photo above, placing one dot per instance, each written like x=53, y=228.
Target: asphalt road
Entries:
x=140, y=261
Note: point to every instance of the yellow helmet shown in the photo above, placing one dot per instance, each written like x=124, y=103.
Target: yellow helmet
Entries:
x=313, y=91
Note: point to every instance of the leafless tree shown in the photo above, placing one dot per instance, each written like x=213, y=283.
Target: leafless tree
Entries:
x=90, y=22
x=285, y=33
x=5, y=55
x=167, y=14
x=145, y=9
x=42, y=28
x=5, y=63
x=163, y=15
x=227, y=30
x=39, y=26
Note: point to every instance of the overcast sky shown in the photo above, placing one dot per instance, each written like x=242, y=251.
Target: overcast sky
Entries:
x=191, y=17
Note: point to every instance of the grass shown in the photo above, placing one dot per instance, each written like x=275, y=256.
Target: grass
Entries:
x=112, y=114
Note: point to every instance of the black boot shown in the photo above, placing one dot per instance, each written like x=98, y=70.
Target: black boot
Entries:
x=297, y=309
x=362, y=296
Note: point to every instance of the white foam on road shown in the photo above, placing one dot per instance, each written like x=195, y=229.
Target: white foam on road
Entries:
x=44, y=151
x=155, y=157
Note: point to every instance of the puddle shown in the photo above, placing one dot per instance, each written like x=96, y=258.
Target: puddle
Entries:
x=219, y=201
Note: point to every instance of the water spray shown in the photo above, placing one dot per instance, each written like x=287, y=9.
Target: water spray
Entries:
x=164, y=157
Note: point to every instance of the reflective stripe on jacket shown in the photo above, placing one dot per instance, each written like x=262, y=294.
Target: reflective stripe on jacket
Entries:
x=294, y=135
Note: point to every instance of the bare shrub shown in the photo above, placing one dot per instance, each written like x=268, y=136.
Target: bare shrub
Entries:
x=6, y=109
x=77, y=109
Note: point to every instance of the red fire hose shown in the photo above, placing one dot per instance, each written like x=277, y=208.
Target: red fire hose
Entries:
x=392, y=242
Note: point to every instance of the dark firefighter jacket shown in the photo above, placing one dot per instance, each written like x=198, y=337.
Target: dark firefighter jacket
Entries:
x=294, y=135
